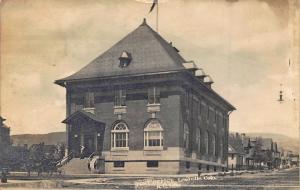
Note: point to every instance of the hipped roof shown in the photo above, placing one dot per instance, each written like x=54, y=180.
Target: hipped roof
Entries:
x=149, y=51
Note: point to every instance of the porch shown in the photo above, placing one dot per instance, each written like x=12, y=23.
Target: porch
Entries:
x=85, y=134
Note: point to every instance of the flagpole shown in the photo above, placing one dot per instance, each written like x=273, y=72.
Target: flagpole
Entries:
x=157, y=17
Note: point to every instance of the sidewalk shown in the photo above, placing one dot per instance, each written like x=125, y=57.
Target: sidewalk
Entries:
x=24, y=174
x=19, y=175
x=131, y=180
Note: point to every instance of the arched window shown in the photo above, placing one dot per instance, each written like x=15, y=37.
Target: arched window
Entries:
x=119, y=136
x=153, y=135
x=198, y=139
x=186, y=134
x=206, y=141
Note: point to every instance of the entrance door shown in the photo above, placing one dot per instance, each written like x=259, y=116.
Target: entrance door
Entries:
x=89, y=144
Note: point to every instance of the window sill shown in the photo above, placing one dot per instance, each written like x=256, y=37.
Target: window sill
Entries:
x=119, y=149
x=154, y=148
x=152, y=169
x=153, y=104
x=118, y=170
x=119, y=109
x=89, y=109
x=152, y=108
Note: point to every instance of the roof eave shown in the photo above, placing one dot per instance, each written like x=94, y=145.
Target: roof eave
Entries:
x=62, y=82
x=232, y=108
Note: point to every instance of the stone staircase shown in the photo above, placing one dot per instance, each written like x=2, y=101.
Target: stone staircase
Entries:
x=76, y=166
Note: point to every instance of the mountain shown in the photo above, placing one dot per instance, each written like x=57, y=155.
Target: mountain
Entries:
x=283, y=141
x=29, y=139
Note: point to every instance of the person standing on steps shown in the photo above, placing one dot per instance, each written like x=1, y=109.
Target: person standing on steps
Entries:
x=82, y=152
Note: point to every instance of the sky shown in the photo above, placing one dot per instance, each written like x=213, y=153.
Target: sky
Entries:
x=245, y=46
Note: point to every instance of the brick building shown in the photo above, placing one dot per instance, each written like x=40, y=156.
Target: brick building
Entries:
x=142, y=108
x=4, y=143
x=4, y=133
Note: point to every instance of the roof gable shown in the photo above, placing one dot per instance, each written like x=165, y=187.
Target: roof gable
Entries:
x=148, y=50
x=236, y=143
x=82, y=114
x=267, y=144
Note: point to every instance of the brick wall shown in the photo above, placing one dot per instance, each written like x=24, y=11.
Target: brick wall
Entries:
x=136, y=115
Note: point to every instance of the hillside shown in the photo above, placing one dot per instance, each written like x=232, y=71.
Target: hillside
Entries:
x=29, y=139
x=283, y=141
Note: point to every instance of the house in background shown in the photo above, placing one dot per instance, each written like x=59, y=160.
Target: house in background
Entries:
x=266, y=148
x=249, y=149
x=276, y=156
x=285, y=158
x=257, y=152
x=142, y=108
x=288, y=159
x=235, y=159
x=236, y=152
x=270, y=152
x=294, y=159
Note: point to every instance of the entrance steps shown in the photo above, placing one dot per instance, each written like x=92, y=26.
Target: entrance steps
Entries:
x=76, y=166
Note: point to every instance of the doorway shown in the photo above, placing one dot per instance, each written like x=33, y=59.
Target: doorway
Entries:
x=89, y=144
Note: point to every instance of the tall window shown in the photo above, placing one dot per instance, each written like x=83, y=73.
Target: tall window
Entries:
x=198, y=139
x=205, y=111
x=221, y=121
x=153, y=95
x=187, y=98
x=119, y=136
x=186, y=134
x=211, y=117
x=89, y=100
x=200, y=109
x=120, y=97
x=213, y=144
x=153, y=135
x=206, y=141
x=216, y=116
x=221, y=148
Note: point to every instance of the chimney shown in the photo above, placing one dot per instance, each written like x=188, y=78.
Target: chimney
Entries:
x=236, y=135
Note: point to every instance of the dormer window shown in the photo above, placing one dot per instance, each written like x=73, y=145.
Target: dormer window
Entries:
x=125, y=59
